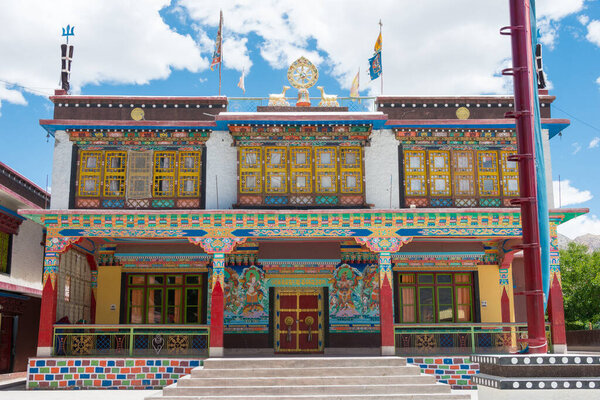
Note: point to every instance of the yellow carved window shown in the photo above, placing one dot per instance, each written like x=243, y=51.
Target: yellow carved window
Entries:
x=300, y=170
x=351, y=169
x=326, y=174
x=510, y=175
x=189, y=174
x=275, y=170
x=250, y=170
x=487, y=169
x=463, y=173
x=90, y=173
x=439, y=172
x=164, y=174
x=114, y=173
x=415, y=173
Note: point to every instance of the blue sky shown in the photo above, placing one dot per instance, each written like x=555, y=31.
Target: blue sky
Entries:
x=163, y=47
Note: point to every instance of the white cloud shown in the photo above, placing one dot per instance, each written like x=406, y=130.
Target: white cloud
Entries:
x=593, y=33
x=115, y=41
x=566, y=194
x=583, y=19
x=595, y=142
x=598, y=80
x=549, y=15
x=11, y=95
x=430, y=46
x=576, y=148
x=235, y=53
x=580, y=226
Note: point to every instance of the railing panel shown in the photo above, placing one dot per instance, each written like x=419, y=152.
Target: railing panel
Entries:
x=441, y=339
x=131, y=340
x=249, y=104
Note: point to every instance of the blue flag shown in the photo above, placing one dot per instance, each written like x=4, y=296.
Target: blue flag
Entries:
x=375, y=65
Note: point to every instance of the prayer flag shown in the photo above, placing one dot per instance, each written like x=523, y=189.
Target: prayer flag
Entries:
x=378, y=43
x=217, y=55
x=354, y=87
x=375, y=65
x=241, y=82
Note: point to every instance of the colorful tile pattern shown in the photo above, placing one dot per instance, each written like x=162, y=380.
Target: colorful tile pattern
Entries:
x=106, y=373
x=454, y=371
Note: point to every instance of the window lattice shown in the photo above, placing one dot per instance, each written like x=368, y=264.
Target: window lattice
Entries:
x=510, y=175
x=90, y=172
x=164, y=174
x=487, y=170
x=189, y=174
x=326, y=173
x=464, y=173
x=250, y=170
x=114, y=173
x=300, y=170
x=275, y=170
x=415, y=173
x=139, y=174
x=351, y=170
x=439, y=173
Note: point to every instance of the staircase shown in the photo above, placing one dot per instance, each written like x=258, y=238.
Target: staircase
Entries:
x=293, y=378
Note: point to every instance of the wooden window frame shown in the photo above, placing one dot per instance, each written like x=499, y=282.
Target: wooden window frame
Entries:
x=90, y=173
x=118, y=173
x=165, y=286
x=434, y=285
x=184, y=173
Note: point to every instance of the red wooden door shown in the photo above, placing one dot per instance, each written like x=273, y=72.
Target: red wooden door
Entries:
x=6, y=330
x=299, y=320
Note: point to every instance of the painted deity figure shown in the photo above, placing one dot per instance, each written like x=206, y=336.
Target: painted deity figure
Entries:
x=254, y=295
x=344, y=282
x=370, y=289
x=230, y=292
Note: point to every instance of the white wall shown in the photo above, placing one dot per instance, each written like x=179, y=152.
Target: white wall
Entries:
x=381, y=170
x=26, y=257
x=61, y=171
x=221, y=166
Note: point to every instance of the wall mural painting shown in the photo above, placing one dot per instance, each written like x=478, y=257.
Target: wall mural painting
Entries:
x=354, y=298
x=246, y=299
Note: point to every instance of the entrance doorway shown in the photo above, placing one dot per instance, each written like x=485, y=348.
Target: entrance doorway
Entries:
x=298, y=320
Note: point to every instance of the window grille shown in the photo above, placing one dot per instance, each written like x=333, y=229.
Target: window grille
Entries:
x=90, y=171
x=164, y=174
x=487, y=171
x=74, y=287
x=510, y=175
x=114, y=173
x=139, y=174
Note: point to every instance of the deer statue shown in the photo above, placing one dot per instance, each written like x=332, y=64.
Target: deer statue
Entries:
x=278, y=99
x=327, y=100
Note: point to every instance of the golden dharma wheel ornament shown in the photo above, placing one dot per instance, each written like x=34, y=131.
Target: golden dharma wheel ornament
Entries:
x=302, y=75
x=463, y=113
x=137, y=114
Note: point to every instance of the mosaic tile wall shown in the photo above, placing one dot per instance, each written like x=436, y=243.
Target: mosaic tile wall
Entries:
x=455, y=371
x=106, y=373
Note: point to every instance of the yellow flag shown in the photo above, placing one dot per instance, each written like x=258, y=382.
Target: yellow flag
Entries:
x=378, y=43
x=354, y=87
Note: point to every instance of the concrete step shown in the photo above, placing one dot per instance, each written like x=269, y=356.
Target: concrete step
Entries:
x=301, y=362
x=201, y=372
x=422, y=396
x=339, y=379
x=305, y=390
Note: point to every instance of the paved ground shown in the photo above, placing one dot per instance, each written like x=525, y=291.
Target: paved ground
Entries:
x=16, y=394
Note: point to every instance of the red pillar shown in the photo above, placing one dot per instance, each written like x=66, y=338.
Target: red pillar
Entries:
x=386, y=305
x=523, y=70
x=47, y=311
x=556, y=314
x=217, y=308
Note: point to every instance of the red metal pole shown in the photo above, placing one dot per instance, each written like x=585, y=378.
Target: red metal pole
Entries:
x=523, y=70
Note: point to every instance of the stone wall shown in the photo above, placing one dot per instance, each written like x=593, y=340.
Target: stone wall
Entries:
x=106, y=373
x=452, y=370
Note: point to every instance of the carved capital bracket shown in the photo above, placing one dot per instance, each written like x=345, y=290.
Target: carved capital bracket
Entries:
x=54, y=247
x=223, y=245
x=384, y=244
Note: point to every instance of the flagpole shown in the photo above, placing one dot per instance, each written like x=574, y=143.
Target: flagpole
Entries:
x=221, y=63
x=381, y=55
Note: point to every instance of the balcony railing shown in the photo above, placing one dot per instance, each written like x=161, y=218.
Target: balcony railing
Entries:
x=249, y=104
x=439, y=339
x=131, y=340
